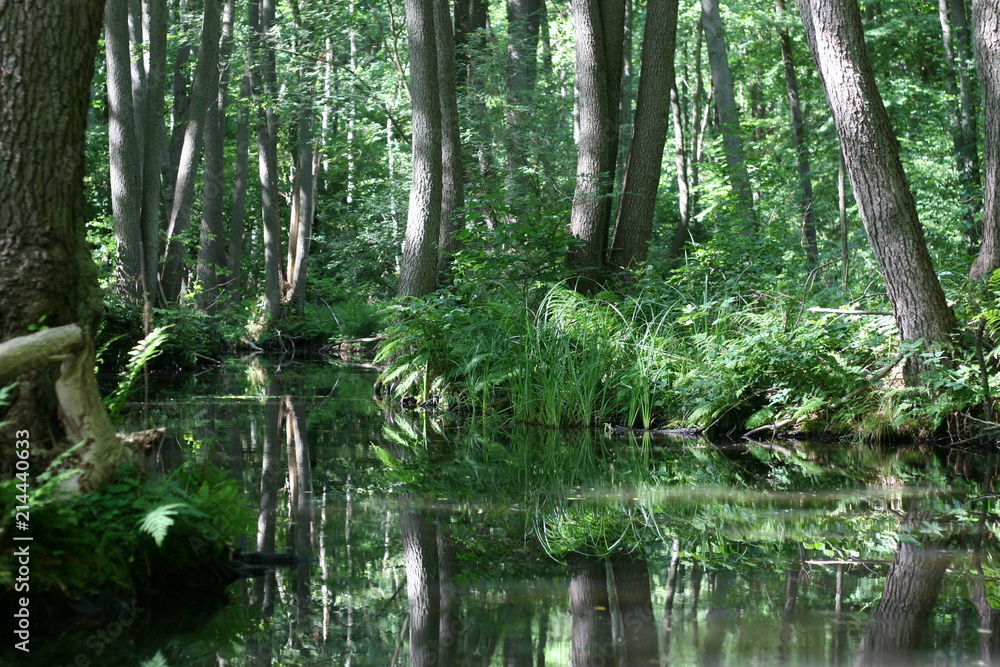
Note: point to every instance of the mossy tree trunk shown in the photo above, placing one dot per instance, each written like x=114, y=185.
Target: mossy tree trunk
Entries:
x=47, y=274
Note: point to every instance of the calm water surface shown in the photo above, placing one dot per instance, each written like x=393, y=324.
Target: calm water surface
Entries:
x=433, y=542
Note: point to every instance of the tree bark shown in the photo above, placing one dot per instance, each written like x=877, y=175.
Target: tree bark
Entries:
x=799, y=142
x=154, y=138
x=634, y=222
x=47, y=51
x=728, y=111
x=264, y=84
x=422, y=586
x=210, y=249
x=634, y=601
x=881, y=190
x=418, y=266
x=522, y=52
x=957, y=55
x=204, y=92
x=598, y=26
x=237, y=211
x=452, y=188
x=124, y=153
x=986, y=41
x=591, y=644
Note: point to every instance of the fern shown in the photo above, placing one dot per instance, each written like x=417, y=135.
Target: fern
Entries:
x=145, y=351
x=159, y=519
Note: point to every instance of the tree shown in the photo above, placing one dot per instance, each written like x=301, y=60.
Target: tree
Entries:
x=986, y=40
x=418, y=266
x=728, y=112
x=126, y=161
x=523, y=17
x=598, y=26
x=154, y=140
x=634, y=222
x=204, y=94
x=799, y=142
x=49, y=277
x=452, y=189
x=871, y=153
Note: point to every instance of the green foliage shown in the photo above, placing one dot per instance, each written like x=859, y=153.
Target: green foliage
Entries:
x=133, y=533
x=145, y=351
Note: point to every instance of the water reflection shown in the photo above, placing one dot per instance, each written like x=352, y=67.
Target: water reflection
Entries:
x=437, y=543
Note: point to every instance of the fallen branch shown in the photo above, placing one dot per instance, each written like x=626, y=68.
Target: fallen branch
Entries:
x=847, y=311
x=37, y=350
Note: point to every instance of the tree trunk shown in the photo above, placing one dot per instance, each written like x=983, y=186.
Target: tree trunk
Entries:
x=210, y=248
x=634, y=601
x=154, y=139
x=452, y=191
x=204, y=93
x=418, y=266
x=422, y=586
x=303, y=208
x=237, y=211
x=589, y=605
x=598, y=26
x=881, y=190
x=124, y=153
x=899, y=627
x=728, y=111
x=264, y=84
x=522, y=52
x=958, y=54
x=48, y=49
x=634, y=223
x=986, y=40
x=799, y=142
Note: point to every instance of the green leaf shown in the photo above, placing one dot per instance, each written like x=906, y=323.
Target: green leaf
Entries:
x=159, y=519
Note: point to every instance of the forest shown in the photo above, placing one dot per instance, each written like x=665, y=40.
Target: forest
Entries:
x=620, y=218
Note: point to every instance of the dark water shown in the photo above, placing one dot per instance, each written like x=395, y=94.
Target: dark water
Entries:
x=435, y=542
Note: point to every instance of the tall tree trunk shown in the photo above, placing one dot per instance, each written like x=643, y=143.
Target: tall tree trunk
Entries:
x=598, y=26
x=264, y=84
x=881, y=190
x=154, y=138
x=799, y=142
x=418, y=266
x=48, y=275
x=452, y=189
x=204, y=92
x=124, y=152
x=634, y=223
x=986, y=41
x=210, y=248
x=522, y=52
x=728, y=111
x=958, y=54
x=237, y=211
x=303, y=208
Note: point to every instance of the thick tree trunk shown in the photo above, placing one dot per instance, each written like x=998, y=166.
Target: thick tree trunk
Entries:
x=728, y=111
x=204, y=93
x=899, y=627
x=589, y=605
x=124, y=152
x=418, y=266
x=986, y=40
x=598, y=26
x=881, y=190
x=452, y=189
x=634, y=223
x=423, y=591
x=48, y=275
x=799, y=142
x=210, y=249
